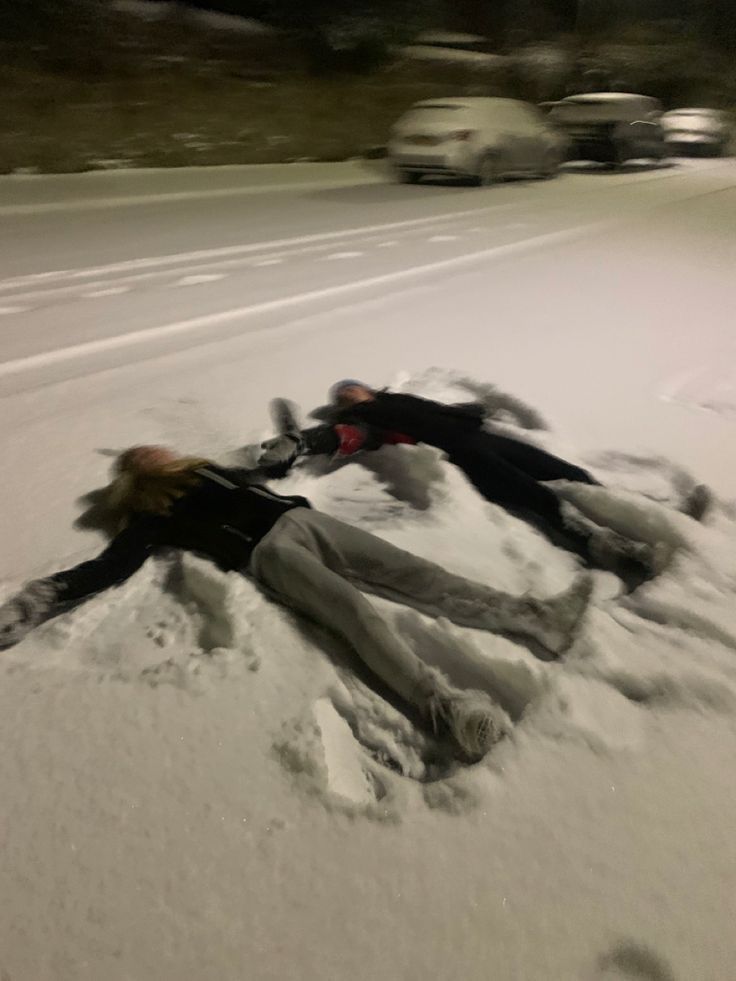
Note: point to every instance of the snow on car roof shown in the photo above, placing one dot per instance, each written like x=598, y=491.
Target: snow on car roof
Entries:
x=607, y=96
x=694, y=112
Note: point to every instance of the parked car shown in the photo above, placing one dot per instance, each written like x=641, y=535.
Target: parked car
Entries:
x=480, y=139
x=696, y=132
x=610, y=127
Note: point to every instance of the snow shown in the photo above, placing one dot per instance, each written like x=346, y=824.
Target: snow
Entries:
x=157, y=10
x=478, y=59
x=673, y=113
x=194, y=782
x=229, y=22
x=145, y=9
x=596, y=97
x=466, y=49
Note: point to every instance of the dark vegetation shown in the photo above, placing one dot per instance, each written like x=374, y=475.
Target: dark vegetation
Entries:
x=86, y=85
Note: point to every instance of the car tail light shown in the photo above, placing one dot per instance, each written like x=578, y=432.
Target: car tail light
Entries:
x=462, y=134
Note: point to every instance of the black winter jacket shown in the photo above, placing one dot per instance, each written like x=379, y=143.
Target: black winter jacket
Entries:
x=443, y=426
x=222, y=517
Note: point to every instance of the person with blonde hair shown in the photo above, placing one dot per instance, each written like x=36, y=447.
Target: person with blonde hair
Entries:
x=311, y=563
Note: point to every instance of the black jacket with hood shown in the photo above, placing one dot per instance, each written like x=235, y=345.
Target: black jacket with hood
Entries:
x=222, y=517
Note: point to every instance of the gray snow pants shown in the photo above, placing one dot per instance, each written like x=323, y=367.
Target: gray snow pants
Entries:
x=317, y=565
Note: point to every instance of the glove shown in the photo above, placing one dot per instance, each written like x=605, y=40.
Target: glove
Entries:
x=280, y=452
x=31, y=606
x=285, y=416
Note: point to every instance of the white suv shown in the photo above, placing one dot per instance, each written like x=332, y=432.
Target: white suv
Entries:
x=481, y=139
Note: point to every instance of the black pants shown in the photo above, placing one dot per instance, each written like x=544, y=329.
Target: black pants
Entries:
x=509, y=473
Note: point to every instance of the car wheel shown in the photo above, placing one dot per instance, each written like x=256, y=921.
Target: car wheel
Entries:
x=409, y=176
x=550, y=165
x=621, y=153
x=659, y=152
x=488, y=172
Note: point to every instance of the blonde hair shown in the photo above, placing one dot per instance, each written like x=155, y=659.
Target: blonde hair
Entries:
x=152, y=490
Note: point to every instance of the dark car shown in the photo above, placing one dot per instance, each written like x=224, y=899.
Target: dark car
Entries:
x=610, y=127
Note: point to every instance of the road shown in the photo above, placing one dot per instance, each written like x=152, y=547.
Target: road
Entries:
x=604, y=299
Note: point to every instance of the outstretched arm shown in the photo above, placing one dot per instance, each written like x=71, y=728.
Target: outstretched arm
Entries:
x=493, y=402
x=125, y=554
x=45, y=598
x=278, y=455
x=336, y=437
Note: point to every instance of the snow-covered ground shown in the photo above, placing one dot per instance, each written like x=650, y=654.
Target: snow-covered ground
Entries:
x=162, y=10
x=196, y=784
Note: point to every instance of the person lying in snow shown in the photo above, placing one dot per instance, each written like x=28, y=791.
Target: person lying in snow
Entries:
x=506, y=471
x=311, y=563
x=341, y=439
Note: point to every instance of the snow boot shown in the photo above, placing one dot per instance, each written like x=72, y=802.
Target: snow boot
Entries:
x=285, y=418
x=555, y=622
x=473, y=720
x=633, y=562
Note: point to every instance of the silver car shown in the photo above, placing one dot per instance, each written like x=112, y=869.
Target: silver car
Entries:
x=483, y=140
x=696, y=132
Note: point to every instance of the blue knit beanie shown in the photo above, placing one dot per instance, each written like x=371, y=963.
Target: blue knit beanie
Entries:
x=344, y=383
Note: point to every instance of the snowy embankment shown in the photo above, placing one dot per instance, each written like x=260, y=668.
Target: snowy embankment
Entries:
x=206, y=785
x=162, y=10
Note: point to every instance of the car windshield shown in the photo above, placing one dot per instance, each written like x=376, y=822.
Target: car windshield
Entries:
x=599, y=110
x=432, y=117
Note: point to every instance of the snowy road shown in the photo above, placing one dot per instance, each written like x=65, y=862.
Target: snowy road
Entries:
x=91, y=270
x=174, y=778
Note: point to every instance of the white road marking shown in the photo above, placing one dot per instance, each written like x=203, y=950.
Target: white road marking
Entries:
x=387, y=245
x=444, y=238
x=182, y=258
x=110, y=291
x=201, y=278
x=342, y=255
x=177, y=258
x=268, y=262
x=8, y=310
x=46, y=358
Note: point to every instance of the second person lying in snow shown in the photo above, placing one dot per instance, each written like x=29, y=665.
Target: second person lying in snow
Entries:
x=508, y=472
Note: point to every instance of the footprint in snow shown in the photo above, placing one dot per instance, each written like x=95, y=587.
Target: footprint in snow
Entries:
x=347, y=772
x=352, y=749
x=325, y=759
x=631, y=961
